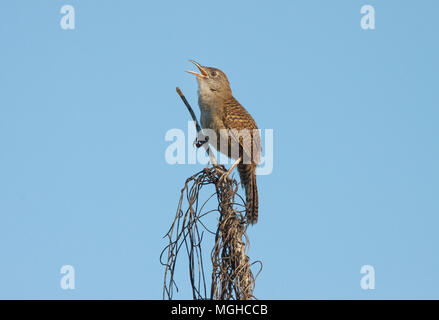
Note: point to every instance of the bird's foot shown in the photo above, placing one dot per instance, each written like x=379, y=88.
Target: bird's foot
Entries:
x=226, y=174
x=220, y=169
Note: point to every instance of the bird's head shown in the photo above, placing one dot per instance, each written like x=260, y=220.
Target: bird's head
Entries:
x=211, y=81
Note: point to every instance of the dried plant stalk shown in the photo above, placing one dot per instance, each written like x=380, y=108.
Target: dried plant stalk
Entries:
x=231, y=275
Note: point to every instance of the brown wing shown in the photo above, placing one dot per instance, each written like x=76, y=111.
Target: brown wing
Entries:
x=242, y=129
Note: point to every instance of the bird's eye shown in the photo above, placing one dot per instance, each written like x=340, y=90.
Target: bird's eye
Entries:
x=213, y=74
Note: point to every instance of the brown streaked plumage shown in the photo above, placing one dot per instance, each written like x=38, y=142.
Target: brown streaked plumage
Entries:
x=236, y=131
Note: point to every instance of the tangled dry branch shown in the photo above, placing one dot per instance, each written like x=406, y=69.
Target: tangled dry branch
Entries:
x=231, y=276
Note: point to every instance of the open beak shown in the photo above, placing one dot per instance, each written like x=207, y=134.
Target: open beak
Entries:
x=201, y=75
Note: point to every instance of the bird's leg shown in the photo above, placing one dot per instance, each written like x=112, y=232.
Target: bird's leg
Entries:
x=226, y=174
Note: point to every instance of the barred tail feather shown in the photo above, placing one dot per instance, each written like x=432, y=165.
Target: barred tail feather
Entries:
x=247, y=173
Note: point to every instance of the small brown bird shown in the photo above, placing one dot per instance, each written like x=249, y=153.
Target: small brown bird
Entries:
x=236, y=132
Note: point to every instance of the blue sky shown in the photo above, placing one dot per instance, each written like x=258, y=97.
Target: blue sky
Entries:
x=84, y=113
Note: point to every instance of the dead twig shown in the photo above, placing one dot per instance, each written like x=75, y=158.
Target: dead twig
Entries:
x=231, y=274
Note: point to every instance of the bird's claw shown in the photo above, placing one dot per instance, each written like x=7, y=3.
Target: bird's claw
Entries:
x=224, y=174
x=223, y=177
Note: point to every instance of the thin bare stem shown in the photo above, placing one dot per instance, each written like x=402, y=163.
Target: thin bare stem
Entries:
x=231, y=274
x=197, y=126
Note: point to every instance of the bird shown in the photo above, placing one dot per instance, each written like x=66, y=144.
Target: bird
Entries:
x=237, y=135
